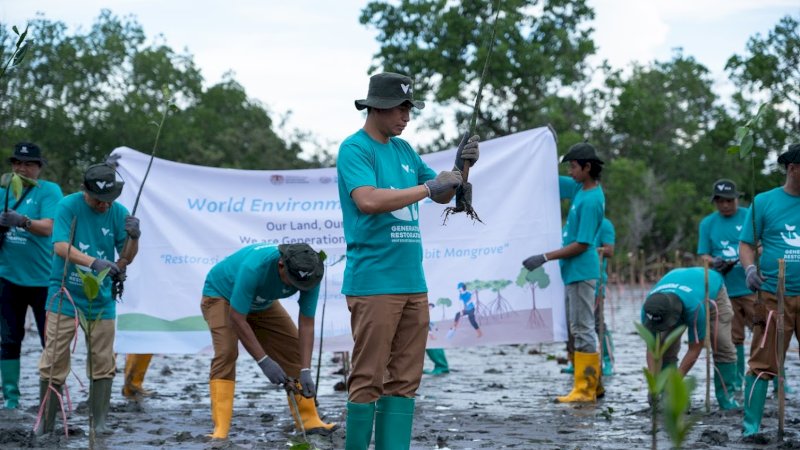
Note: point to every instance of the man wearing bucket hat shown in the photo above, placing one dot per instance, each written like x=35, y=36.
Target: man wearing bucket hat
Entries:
x=679, y=299
x=381, y=181
x=25, y=248
x=777, y=215
x=102, y=227
x=718, y=244
x=580, y=265
x=239, y=304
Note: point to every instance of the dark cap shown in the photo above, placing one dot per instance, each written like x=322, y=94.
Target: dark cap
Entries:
x=387, y=90
x=100, y=182
x=581, y=151
x=790, y=156
x=303, y=265
x=662, y=310
x=725, y=189
x=27, y=151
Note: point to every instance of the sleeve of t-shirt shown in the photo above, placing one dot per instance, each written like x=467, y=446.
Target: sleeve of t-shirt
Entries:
x=424, y=172
x=747, y=227
x=695, y=321
x=62, y=222
x=355, y=168
x=589, y=220
x=120, y=235
x=567, y=187
x=703, y=247
x=308, y=301
x=245, y=284
x=49, y=201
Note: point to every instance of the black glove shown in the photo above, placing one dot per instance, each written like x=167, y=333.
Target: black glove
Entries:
x=752, y=279
x=99, y=265
x=132, y=227
x=309, y=389
x=722, y=266
x=534, y=262
x=469, y=149
x=12, y=219
x=440, y=188
x=273, y=371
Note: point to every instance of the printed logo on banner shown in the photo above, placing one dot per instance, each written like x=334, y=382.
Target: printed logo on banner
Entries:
x=276, y=179
x=325, y=180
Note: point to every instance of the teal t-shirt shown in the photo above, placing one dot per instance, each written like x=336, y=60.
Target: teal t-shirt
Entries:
x=25, y=258
x=249, y=280
x=97, y=235
x=689, y=285
x=606, y=236
x=777, y=219
x=719, y=237
x=583, y=223
x=384, y=251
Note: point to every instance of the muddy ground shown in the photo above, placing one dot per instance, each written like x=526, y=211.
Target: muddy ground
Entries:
x=495, y=397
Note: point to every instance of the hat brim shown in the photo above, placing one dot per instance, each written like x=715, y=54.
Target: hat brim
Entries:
x=386, y=103
x=41, y=161
x=107, y=197
x=733, y=195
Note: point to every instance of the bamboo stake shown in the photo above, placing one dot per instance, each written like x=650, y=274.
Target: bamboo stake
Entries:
x=781, y=393
x=708, y=338
x=601, y=327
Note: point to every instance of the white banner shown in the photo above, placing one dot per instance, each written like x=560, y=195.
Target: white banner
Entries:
x=192, y=217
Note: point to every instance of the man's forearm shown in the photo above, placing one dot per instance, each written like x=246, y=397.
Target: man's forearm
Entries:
x=573, y=249
x=246, y=335
x=690, y=358
x=747, y=254
x=306, y=340
x=371, y=200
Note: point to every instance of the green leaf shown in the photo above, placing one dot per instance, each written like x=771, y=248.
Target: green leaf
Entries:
x=20, y=55
x=733, y=150
x=647, y=336
x=746, y=146
x=22, y=37
x=82, y=320
x=91, y=285
x=663, y=377
x=28, y=181
x=16, y=186
x=173, y=107
x=102, y=275
x=651, y=381
x=301, y=446
x=741, y=132
x=673, y=336
x=322, y=256
x=15, y=29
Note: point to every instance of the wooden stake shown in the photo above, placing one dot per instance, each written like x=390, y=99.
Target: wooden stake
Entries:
x=781, y=393
x=601, y=327
x=707, y=339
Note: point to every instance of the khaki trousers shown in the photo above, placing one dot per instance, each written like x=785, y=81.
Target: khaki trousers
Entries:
x=722, y=347
x=390, y=333
x=742, y=317
x=274, y=329
x=763, y=350
x=59, y=333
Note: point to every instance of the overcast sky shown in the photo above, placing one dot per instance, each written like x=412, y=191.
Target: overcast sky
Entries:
x=311, y=57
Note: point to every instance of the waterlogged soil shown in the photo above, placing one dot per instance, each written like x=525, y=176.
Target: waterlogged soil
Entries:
x=495, y=397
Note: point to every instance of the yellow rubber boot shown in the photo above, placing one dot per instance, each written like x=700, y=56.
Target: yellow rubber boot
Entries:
x=308, y=413
x=221, y=406
x=135, y=368
x=587, y=378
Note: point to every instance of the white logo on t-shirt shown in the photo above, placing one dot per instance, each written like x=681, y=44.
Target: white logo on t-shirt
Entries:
x=738, y=228
x=727, y=250
x=791, y=237
x=101, y=254
x=83, y=246
x=105, y=231
x=407, y=213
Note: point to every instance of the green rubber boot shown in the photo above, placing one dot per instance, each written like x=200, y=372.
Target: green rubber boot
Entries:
x=786, y=389
x=9, y=371
x=755, y=394
x=740, y=362
x=724, y=376
x=394, y=417
x=360, y=417
x=608, y=350
x=99, y=403
x=439, y=359
x=51, y=408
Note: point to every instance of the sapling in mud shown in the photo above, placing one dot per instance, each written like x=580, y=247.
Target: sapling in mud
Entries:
x=657, y=377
